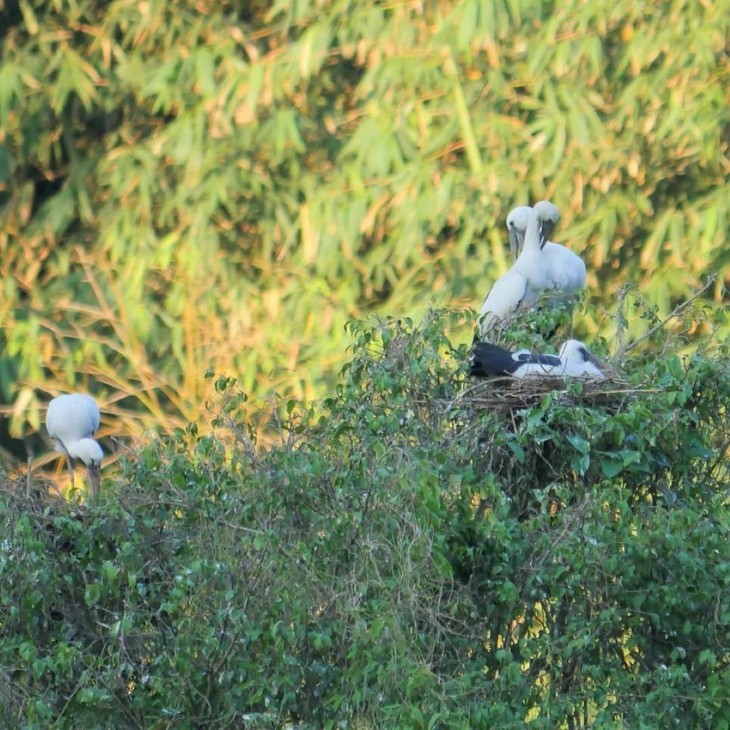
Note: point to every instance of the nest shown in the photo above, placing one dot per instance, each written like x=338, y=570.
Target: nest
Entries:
x=508, y=394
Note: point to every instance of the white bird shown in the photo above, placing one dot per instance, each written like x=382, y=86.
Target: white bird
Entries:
x=574, y=359
x=522, y=284
x=517, y=222
x=580, y=362
x=565, y=270
x=72, y=420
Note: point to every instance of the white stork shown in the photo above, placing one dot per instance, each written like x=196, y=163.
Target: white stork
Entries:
x=565, y=270
x=522, y=284
x=517, y=222
x=72, y=420
x=574, y=359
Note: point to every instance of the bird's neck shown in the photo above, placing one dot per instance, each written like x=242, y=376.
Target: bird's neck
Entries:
x=532, y=237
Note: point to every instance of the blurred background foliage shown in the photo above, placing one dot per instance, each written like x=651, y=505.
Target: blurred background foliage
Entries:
x=190, y=186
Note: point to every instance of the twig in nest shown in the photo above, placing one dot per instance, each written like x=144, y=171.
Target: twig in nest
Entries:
x=494, y=395
x=507, y=394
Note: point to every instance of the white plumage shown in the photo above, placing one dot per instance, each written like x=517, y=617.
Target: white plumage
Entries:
x=522, y=284
x=517, y=222
x=574, y=360
x=565, y=270
x=72, y=420
x=579, y=362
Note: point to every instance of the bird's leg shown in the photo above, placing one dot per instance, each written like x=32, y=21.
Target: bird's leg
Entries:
x=68, y=463
x=70, y=470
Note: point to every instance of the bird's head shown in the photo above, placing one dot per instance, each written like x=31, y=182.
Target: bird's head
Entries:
x=517, y=222
x=88, y=451
x=548, y=215
x=91, y=454
x=574, y=351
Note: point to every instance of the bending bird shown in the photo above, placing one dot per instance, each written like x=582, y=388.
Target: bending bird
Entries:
x=71, y=421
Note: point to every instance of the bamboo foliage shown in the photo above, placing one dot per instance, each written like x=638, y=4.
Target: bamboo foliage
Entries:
x=190, y=185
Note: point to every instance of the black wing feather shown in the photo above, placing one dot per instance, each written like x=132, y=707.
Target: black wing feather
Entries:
x=489, y=361
x=528, y=357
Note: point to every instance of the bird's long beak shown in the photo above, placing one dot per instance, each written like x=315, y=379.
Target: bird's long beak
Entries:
x=603, y=366
x=94, y=479
x=546, y=230
x=514, y=243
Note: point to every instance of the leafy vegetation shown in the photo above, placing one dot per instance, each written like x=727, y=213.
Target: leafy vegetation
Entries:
x=192, y=185
x=196, y=187
x=401, y=557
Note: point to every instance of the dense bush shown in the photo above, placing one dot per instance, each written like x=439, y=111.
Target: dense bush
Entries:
x=404, y=556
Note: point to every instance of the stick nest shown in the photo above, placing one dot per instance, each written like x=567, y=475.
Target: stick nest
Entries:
x=507, y=394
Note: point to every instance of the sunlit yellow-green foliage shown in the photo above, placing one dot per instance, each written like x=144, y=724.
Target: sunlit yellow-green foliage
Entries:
x=192, y=185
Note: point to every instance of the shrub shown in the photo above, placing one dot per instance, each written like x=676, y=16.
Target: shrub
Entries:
x=403, y=556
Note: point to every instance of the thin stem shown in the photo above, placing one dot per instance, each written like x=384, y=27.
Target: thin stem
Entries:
x=679, y=309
